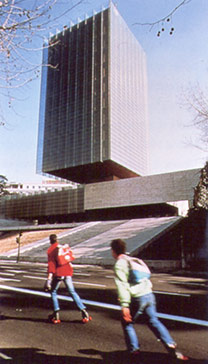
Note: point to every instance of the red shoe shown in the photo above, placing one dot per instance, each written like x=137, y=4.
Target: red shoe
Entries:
x=180, y=356
x=176, y=354
x=85, y=317
x=54, y=318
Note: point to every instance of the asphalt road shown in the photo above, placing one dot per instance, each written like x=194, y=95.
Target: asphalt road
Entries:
x=26, y=336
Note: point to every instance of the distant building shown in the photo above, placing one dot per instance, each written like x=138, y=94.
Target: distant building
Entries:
x=34, y=188
x=93, y=113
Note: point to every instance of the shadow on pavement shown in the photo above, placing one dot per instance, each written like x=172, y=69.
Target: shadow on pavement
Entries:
x=121, y=357
x=37, y=356
x=39, y=320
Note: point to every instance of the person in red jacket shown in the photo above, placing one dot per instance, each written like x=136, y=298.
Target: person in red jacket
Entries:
x=57, y=274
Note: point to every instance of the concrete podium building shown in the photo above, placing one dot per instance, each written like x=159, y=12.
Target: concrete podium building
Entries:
x=93, y=123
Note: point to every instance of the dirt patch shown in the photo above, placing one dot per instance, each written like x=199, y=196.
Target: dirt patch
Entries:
x=8, y=242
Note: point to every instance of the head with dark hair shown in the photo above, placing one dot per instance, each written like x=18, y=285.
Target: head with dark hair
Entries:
x=53, y=238
x=118, y=246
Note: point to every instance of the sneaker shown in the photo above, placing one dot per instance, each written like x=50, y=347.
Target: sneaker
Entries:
x=85, y=317
x=54, y=318
x=176, y=354
x=180, y=356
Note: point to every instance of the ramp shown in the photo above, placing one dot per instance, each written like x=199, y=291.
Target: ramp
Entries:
x=138, y=234
x=91, y=241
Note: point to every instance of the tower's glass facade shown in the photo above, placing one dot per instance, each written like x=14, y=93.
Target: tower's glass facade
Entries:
x=128, y=97
x=93, y=120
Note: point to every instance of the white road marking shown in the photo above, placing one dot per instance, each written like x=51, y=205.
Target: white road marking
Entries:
x=7, y=274
x=173, y=293
x=90, y=284
x=6, y=357
x=75, y=282
x=82, y=274
x=188, y=320
x=16, y=271
x=9, y=280
x=34, y=277
x=189, y=283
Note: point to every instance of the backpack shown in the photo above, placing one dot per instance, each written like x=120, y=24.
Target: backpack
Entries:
x=138, y=270
x=64, y=255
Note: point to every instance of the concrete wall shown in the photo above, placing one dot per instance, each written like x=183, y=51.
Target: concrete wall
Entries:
x=168, y=187
x=156, y=189
x=49, y=204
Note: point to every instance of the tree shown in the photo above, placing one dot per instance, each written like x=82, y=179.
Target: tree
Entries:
x=201, y=190
x=3, y=181
x=197, y=103
x=23, y=26
x=165, y=20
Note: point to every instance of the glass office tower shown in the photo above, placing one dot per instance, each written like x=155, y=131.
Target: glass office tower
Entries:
x=93, y=110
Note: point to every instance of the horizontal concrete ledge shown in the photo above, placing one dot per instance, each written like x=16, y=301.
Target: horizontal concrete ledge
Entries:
x=39, y=227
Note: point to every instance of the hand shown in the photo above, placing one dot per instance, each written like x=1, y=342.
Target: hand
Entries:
x=126, y=315
x=47, y=286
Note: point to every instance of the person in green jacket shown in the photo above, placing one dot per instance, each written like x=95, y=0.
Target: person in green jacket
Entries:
x=136, y=299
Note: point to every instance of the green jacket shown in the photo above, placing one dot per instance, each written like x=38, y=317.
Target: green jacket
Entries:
x=126, y=290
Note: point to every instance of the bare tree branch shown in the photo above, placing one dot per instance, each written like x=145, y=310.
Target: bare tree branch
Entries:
x=23, y=25
x=197, y=103
x=165, y=18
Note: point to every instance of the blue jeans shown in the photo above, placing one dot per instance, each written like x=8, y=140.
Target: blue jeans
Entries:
x=70, y=287
x=144, y=305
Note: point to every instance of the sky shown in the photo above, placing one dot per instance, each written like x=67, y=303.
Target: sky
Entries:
x=176, y=64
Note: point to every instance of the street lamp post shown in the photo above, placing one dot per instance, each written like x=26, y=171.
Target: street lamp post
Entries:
x=18, y=242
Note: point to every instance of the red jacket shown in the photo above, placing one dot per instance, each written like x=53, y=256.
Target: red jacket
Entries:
x=58, y=271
